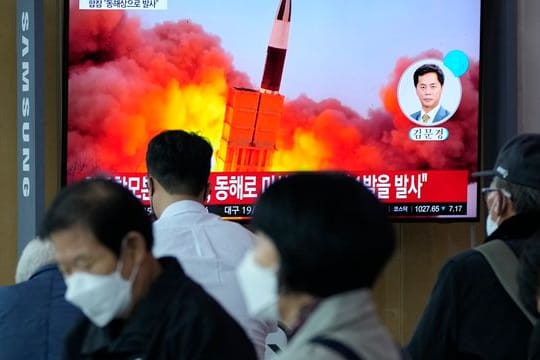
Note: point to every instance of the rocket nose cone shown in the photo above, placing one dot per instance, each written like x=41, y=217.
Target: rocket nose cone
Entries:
x=284, y=11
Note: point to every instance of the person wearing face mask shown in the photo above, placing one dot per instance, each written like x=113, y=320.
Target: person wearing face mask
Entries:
x=470, y=315
x=136, y=306
x=322, y=241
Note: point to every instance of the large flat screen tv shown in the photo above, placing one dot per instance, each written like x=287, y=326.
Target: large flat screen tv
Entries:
x=387, y=91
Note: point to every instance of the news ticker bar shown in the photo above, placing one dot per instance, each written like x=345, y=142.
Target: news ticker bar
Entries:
x=393, y=210
x=426, y=209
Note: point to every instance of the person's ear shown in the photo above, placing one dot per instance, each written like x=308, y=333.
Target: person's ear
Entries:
x=493, y=206
x=503, y=204
x=498, y=204
x=507, y=206
x=133, y=252
x=151, y=186
x=207, y=192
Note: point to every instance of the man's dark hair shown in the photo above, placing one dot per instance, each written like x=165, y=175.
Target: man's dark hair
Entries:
x=103, y=207
x=524, y=198
x=428, y=68
x=180, y=161
x=529, y=274
x=331, y=233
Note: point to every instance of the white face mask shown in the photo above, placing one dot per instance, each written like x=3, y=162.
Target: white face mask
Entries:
x=259, y=286
x=491, y=225
x=100, y=297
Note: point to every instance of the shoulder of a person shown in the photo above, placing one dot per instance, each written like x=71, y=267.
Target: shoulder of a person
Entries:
x=466, y=257
x=233, y=226
x=8, y=298
x=22, y=289
x=5, y=290
x=464, y=264
x=44, y=280
x=309, y=351
x=193, y=302
x=200, y=317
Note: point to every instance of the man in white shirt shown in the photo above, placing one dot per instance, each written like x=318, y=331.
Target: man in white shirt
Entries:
x=208, y=247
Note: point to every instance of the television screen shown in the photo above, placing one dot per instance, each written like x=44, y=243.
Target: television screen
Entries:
x=387, y=91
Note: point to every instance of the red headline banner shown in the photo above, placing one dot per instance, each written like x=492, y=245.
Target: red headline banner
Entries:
x=234, y=188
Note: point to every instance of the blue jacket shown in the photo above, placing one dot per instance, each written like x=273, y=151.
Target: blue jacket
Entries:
x=34, y=317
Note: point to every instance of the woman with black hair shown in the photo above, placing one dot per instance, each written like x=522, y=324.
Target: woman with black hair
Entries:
x=322, y=241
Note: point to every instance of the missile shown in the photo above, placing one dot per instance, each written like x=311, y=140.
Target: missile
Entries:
x=252, y=117
x=277, y=49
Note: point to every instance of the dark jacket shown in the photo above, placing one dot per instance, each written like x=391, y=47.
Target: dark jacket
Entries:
x=469, y=314
x=534, y=344
x=177, y=319
x=34, y=317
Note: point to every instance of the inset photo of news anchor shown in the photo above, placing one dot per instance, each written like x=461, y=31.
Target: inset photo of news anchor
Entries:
x=429, y=93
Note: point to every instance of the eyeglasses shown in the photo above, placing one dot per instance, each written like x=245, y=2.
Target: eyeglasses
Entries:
x=485, y=191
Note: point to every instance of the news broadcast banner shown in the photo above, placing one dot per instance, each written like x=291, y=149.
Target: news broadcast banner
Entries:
x=405, y=194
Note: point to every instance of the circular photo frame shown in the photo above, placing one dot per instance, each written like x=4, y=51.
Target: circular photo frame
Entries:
x=448, y=96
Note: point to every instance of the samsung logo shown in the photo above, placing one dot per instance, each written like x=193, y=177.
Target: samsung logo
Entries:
x=25, y=104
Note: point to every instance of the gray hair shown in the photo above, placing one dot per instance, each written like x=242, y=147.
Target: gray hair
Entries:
x=524, y=198
x=36, y=253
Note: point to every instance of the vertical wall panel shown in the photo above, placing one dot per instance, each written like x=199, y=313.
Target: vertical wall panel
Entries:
x=8, y=141
x=8, y=121
x=528, y=58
